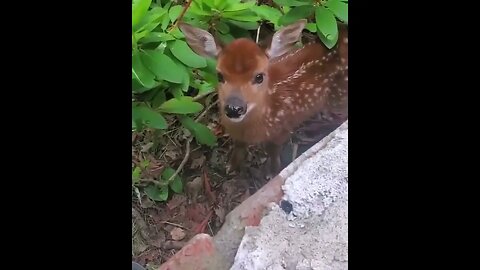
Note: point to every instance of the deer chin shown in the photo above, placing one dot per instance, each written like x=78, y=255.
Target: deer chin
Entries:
x=240, y=119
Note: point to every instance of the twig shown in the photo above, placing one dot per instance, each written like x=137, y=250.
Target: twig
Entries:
x=180, y=16
x=184, y=161
x=205, y=111
x=176, y=225
x=203, y=95
x=294, y=151
x=258, y=32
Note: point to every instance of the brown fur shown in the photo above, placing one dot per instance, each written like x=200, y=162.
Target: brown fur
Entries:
x=296, y=86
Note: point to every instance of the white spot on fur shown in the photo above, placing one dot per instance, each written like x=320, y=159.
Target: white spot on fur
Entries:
x=280, y=113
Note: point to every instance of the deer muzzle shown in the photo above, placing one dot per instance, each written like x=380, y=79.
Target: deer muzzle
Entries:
x=235, y=107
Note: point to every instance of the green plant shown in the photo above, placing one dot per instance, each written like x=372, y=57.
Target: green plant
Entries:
x=323, y=13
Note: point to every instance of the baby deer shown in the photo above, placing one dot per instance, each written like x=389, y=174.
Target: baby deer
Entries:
x=265, y=94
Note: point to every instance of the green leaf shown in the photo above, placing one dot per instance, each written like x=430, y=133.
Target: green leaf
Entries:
x=184, y=53
x=136, y=175
x=225, y=38
x=221, y=4
x=339, y=8
x=137, y=87
x=183, y=105
x=134, y=125
x=312, y=27
x=149, y=117
x=157, y=37
x=202, y=134
x=244, y=25
x=151, y=20
x=176, y=91
x=330, y=43
x=241, y=16
x=211, y=66
x=293, y=3
x=177, y=33
x=158, y=99
x=203, y=87
x=140, y=72
x=196, y=9
x=326, y=22
x=239, y=6
x=165, y=23
x=176, y=183
x=174, y=12
x=267, y=13
x=159, y=194
x=162, y=66
x=295, y=14
x=139, y=9
x=184, y=85
x=223, y=27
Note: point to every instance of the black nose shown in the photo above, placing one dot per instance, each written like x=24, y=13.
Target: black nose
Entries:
x=235, y=107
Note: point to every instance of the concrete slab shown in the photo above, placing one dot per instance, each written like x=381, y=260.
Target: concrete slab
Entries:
x=314, y=235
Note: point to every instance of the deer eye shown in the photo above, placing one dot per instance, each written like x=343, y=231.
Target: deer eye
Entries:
x=258, y=78
x=220, y=77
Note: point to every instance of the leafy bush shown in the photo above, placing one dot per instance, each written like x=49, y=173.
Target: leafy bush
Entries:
x=166, y=72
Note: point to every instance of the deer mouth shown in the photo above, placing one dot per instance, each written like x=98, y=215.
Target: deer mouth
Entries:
x=241, y=117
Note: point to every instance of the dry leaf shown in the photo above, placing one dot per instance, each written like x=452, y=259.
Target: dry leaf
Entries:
x=198, y=162
x=175, y=201
x=194, y=187
x=147, y=147
x=159, y=241
x=220, y=212
x=178, y=234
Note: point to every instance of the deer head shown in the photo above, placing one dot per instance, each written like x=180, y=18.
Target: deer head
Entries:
x=242, y=67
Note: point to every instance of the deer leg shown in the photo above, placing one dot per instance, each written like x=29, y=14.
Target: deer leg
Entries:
x=238, y=156
x=274, y=163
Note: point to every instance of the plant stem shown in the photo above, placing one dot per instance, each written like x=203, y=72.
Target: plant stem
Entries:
x=180, y=16
x=184, y=161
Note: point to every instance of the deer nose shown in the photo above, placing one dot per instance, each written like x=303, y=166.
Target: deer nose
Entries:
x=235, y=107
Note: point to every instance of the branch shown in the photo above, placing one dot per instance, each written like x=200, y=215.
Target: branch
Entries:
x=206, y=110
x=180, y=16
x=184, y=161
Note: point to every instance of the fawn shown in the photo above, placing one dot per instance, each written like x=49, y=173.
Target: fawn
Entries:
x=264, y=94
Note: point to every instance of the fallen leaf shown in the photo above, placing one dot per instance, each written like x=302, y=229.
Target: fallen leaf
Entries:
x=208, y=188
x=177, y=234
x=196, y=212
x=159, y=241
x=175, y=201
x=220, y=212
x=147, y=147
x=198, y=162
x=194, y=187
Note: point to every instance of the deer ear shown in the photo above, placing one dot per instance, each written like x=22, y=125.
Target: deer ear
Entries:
x=285, y=38
x=201, y=41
